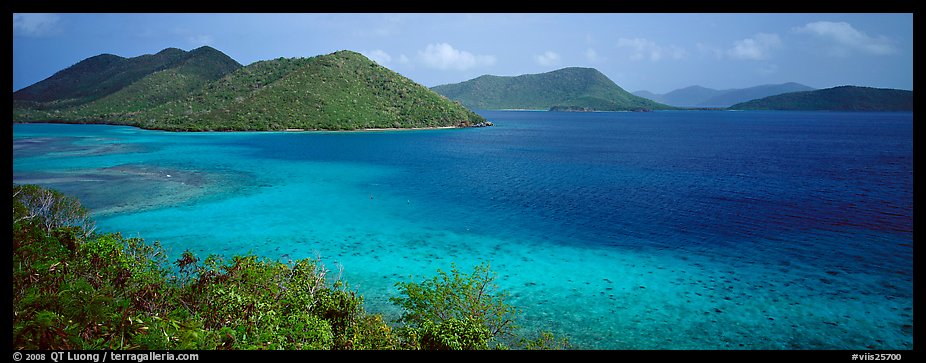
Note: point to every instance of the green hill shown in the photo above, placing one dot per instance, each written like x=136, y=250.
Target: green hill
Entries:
x=843, y=98
x=339, y=91
x=567, y=89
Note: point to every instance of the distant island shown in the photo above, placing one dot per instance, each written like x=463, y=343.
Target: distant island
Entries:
x=702, y=97
x=567, y=89
x=843, y=98
x=205, y=90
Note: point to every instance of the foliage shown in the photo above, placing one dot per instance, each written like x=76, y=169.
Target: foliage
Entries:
x=544, y=341
x=458, y=311
x=844, y=98
x=565, y=89
x=76, y=290
x=49, y=208
x=454, y=334
x=73, y=289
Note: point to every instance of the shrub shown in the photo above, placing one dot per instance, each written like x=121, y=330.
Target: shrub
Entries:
x=49, y=208
x=453, y=334
x=453, y=304
x=463, y=312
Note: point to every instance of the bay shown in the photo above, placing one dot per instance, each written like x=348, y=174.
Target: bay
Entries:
x=657, y=230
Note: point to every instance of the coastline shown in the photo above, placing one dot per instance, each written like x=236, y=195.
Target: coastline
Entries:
x=376, y=129
x=410, y=128
x=62, y=122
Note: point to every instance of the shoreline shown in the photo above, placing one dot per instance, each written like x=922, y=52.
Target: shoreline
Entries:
x=411, y=128
x=370, y=129
x=62, y=122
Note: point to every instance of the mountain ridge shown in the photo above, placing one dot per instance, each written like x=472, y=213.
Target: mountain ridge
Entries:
x=698, y=96
x=99, y=76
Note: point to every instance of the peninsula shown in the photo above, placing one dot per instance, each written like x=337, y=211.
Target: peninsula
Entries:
x=205, y=90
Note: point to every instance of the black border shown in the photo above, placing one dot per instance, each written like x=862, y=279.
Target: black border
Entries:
x=479, y=6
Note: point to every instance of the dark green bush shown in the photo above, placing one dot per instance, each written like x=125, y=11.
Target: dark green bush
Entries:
x=453, y=334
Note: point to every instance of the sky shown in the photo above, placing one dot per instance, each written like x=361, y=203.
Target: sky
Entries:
x=657, y=52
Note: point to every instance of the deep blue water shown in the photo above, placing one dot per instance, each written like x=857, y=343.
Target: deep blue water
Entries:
x=660, y=230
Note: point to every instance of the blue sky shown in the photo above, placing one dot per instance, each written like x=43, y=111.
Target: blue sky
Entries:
x=654, y=52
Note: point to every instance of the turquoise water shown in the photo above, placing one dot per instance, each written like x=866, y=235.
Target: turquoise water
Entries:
x=661, y=230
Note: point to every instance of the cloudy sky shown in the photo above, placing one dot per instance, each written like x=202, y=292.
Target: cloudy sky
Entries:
x=654, y=52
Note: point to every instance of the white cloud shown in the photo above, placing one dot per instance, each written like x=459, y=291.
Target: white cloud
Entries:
x=379, y=56
x=36, y=25
x=548, y=58
x=443, y=56
x=755, y=48
x=593, y=56
x=403, y=59
x=647, y=49
x=846, y=38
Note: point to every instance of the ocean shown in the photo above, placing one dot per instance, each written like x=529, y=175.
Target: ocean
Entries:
x=617, y=230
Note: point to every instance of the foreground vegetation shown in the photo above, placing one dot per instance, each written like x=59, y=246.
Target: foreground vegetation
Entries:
x=74, y=288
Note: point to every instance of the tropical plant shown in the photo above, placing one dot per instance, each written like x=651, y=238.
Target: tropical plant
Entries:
x=458, y=311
